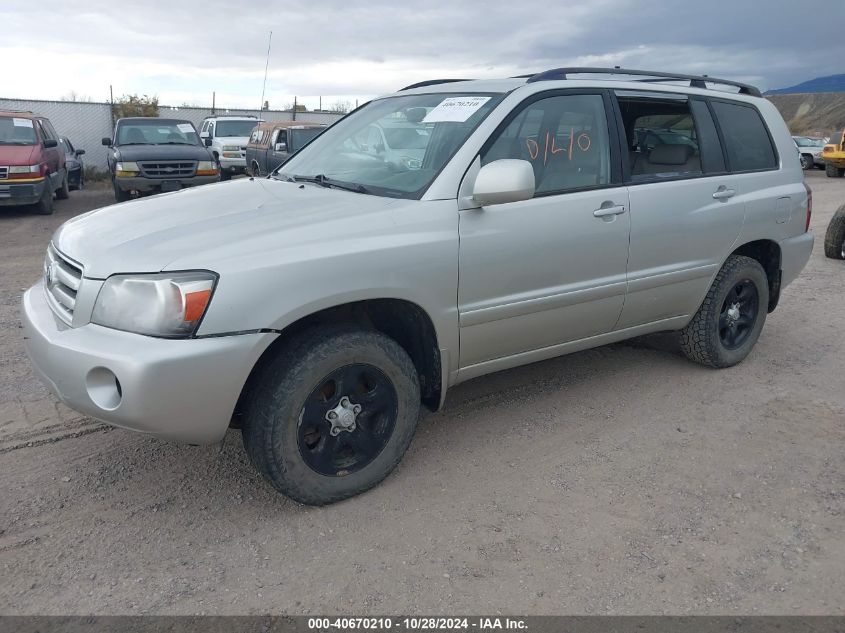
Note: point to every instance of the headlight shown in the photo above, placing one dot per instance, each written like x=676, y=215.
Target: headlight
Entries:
x=206, y=168
x=25, y=169
x=231, y=148
x=127, y=169
x=166, y=304
x=71, y=164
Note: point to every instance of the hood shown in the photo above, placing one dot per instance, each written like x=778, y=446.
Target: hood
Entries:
x=240, y=141
x=161, y=152
x=18, y=155
x=200, y=228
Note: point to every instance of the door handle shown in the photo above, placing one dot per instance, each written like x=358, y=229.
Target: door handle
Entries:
x=605, y=211
x=722, y=193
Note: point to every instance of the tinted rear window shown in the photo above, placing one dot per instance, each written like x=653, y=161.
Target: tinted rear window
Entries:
x=747, y=140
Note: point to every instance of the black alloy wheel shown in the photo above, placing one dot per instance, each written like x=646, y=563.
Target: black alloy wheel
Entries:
x=347, y=420
x=738, y=314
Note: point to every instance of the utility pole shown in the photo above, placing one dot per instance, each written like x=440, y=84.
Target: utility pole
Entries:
x=213, y=101
x=293, y=118
x=111, y=102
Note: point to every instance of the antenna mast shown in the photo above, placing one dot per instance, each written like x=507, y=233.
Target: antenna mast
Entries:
x=266, y=66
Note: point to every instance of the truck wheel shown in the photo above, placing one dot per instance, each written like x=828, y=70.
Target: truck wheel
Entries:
x=806, y=161
x=119, y=194
x=728, y=323
x=45, y=205
x=63, y=192
x=332, y=414
x=255, y=170
x=832, y=171
x=834, y=238
x=224, y=175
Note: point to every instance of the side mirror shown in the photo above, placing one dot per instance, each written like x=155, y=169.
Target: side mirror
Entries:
x=506, y=180
x=50, y=142
x=106, y=141
x=207, y=140
x=80, y=152
x=281, y=147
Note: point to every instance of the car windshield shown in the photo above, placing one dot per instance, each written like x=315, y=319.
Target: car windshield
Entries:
x=809, y=142
x=235, y=128
x=414, y=137
x=16, y=131
x=353, y=154
x=156, y=132
x=300, y=137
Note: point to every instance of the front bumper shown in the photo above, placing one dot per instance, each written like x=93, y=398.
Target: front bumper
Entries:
x=20, y=194
x=232, y=164
x=145, y=185
x=181, y=390
x=794, y=254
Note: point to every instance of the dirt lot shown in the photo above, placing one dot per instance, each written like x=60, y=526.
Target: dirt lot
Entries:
x=619, y=480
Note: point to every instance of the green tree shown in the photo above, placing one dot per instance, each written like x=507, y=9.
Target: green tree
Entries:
x=133, y=105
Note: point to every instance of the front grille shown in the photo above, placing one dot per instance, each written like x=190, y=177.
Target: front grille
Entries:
x=4, y=173
x=62, y=278
x=167, y=168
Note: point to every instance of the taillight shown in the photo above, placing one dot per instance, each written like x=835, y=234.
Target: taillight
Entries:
x=809, y=206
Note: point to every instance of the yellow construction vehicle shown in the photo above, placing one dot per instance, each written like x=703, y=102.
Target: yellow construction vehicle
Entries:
x=833, y=155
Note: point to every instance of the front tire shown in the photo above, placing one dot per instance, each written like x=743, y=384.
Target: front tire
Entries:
x=806, y=161
x=63, y=192
x=729, y=321
x=832, y=171
x=834, y=237
x=332, y=414
x=119, y=194
x=45, y=205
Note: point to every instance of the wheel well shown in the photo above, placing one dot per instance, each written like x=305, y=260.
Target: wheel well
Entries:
x=403, y=321
x=767, y=253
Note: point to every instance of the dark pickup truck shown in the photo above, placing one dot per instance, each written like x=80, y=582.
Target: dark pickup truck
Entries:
x=273, y=142
x=152, y=155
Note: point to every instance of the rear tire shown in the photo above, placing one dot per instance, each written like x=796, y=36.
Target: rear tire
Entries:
x=729, y=321
x=834, y=238
x=45, y=205
x=806, y=161
x=63, y=192
x=287, y=430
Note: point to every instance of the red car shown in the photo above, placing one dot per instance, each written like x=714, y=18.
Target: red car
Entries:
x=32, y=165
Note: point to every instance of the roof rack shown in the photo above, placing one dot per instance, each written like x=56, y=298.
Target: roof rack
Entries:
x=695, y=81
x=432, y=82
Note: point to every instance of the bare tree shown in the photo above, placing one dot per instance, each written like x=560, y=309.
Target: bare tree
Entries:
x=73, y=95
x=341, y=106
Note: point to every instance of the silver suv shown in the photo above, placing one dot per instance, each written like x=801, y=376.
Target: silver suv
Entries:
x=317, y=309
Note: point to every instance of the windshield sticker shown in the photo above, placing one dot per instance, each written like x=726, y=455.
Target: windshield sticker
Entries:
x=455, y=109
x=187, y=128
x=22, y=122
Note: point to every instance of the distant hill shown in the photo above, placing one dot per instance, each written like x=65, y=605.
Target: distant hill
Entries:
x=816, y=114
x=831, y=83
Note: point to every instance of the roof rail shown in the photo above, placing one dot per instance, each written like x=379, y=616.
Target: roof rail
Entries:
x=695, y=81
x=432, y=82
x=18, y=111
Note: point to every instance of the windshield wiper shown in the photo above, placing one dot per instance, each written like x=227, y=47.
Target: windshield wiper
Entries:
x=325, y=181
x=176, y=143
x=123, y=144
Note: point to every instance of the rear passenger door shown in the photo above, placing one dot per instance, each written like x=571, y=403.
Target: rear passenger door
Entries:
x=686, y=211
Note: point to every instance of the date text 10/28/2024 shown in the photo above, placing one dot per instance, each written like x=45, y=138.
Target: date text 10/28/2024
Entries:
x=417, y=624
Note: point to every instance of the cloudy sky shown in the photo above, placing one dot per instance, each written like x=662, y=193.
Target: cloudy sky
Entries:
x=184, y=50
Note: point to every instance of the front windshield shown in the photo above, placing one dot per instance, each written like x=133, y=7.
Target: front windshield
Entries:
x=15, y=131
x=393, y=146
x=235, y=128
x=156, y=132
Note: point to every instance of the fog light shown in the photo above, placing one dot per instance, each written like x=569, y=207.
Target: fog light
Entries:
x=104, y=388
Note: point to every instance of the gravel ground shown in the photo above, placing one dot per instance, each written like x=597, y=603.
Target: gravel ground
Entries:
x=619, y=480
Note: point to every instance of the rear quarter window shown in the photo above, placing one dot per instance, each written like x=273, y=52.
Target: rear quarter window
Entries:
x=746, y=137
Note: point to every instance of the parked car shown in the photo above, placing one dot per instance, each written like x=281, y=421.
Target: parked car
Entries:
x=32, y=167
x=273, y=142
x=834, y=156
x=75, y=165
x=320, y=308
x=227, y=137
x=834, y=239
x=811, y=151
x=401, y=143
x=152, y=155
